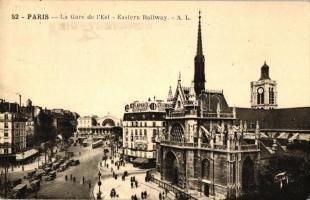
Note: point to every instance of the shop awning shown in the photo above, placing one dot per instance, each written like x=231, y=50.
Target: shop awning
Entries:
x=141, y=161
x=26, y=154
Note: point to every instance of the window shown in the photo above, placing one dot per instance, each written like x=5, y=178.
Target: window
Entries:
x=177, y=133
x=271, y=96
x=6, y=125
x=154, y=124
x=6, y=133
x=205, y=169
x=145, y=124
x=6, y=116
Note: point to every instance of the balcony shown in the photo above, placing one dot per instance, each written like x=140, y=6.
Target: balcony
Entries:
x=194, y=113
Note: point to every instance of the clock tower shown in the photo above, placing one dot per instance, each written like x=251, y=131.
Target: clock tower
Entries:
x=264, y=91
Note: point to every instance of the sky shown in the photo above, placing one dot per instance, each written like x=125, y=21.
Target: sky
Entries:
x=95, y=67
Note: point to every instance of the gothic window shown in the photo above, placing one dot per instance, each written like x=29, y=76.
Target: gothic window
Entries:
x=205, y=169
x=271, y=96
x=177, y=133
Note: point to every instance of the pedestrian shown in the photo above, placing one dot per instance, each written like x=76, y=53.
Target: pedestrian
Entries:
x=66, y=177
x=135, y=197
x=145, y=194
x=71, y=177
x=131, y=184
x=74, y=179
x=136, y=183
x=89, y=184
x=142, y=195
x=83, y=179
x=132, y=197
x=160, y=195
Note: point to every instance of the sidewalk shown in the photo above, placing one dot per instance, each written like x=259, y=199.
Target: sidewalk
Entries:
x=123, y=188
x=27, y=167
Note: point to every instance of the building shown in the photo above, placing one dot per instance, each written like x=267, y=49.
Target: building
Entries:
x=264, y=91
x=12, y=133
x=106, y=126
x=85, y=124
x=283, y=124
x=143, y=123
x=203, y=147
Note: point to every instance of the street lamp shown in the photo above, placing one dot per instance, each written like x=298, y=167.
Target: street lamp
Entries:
x=23, y=154
x=99, y=184
x=38, y=161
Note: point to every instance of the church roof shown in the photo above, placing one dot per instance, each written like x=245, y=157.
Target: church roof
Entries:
x=297, y=118
x=214, y=98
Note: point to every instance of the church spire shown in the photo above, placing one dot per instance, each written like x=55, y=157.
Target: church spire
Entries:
x=199, y=40
x=264, y=72
x=199, y=76
x=170, y=95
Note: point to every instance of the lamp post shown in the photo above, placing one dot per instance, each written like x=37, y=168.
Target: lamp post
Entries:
x=23, y=154
x=38, y=161
x=99, y=184
x=6, y=168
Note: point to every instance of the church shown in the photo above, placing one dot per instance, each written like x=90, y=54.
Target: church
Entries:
x=202, y=149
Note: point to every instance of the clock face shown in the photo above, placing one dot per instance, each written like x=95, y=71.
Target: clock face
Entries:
x=127, y=108
x=153, y=106
x=260, y=90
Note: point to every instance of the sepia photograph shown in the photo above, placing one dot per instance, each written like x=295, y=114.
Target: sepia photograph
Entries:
x=154, y=100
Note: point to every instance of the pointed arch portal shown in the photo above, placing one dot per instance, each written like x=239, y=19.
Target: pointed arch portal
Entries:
x=172, y=168
x=247, y=175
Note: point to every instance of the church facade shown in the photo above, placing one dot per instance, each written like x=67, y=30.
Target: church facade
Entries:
x=202, y=149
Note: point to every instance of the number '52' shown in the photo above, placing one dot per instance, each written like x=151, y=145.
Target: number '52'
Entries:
x=14, y=16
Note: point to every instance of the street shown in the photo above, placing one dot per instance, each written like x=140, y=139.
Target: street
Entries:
x=59, y=188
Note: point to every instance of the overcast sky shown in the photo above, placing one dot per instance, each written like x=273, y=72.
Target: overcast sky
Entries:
x=98, y=66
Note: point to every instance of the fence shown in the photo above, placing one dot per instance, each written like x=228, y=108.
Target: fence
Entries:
x=174, y=189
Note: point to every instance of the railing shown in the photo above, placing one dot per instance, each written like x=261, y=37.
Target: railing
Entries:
x=220, y=147
x=182, y=144
x=208, y=146
x=249, y=147
x=177, y=114
x=172, y=188
x=215, y=115
x=205, y=145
